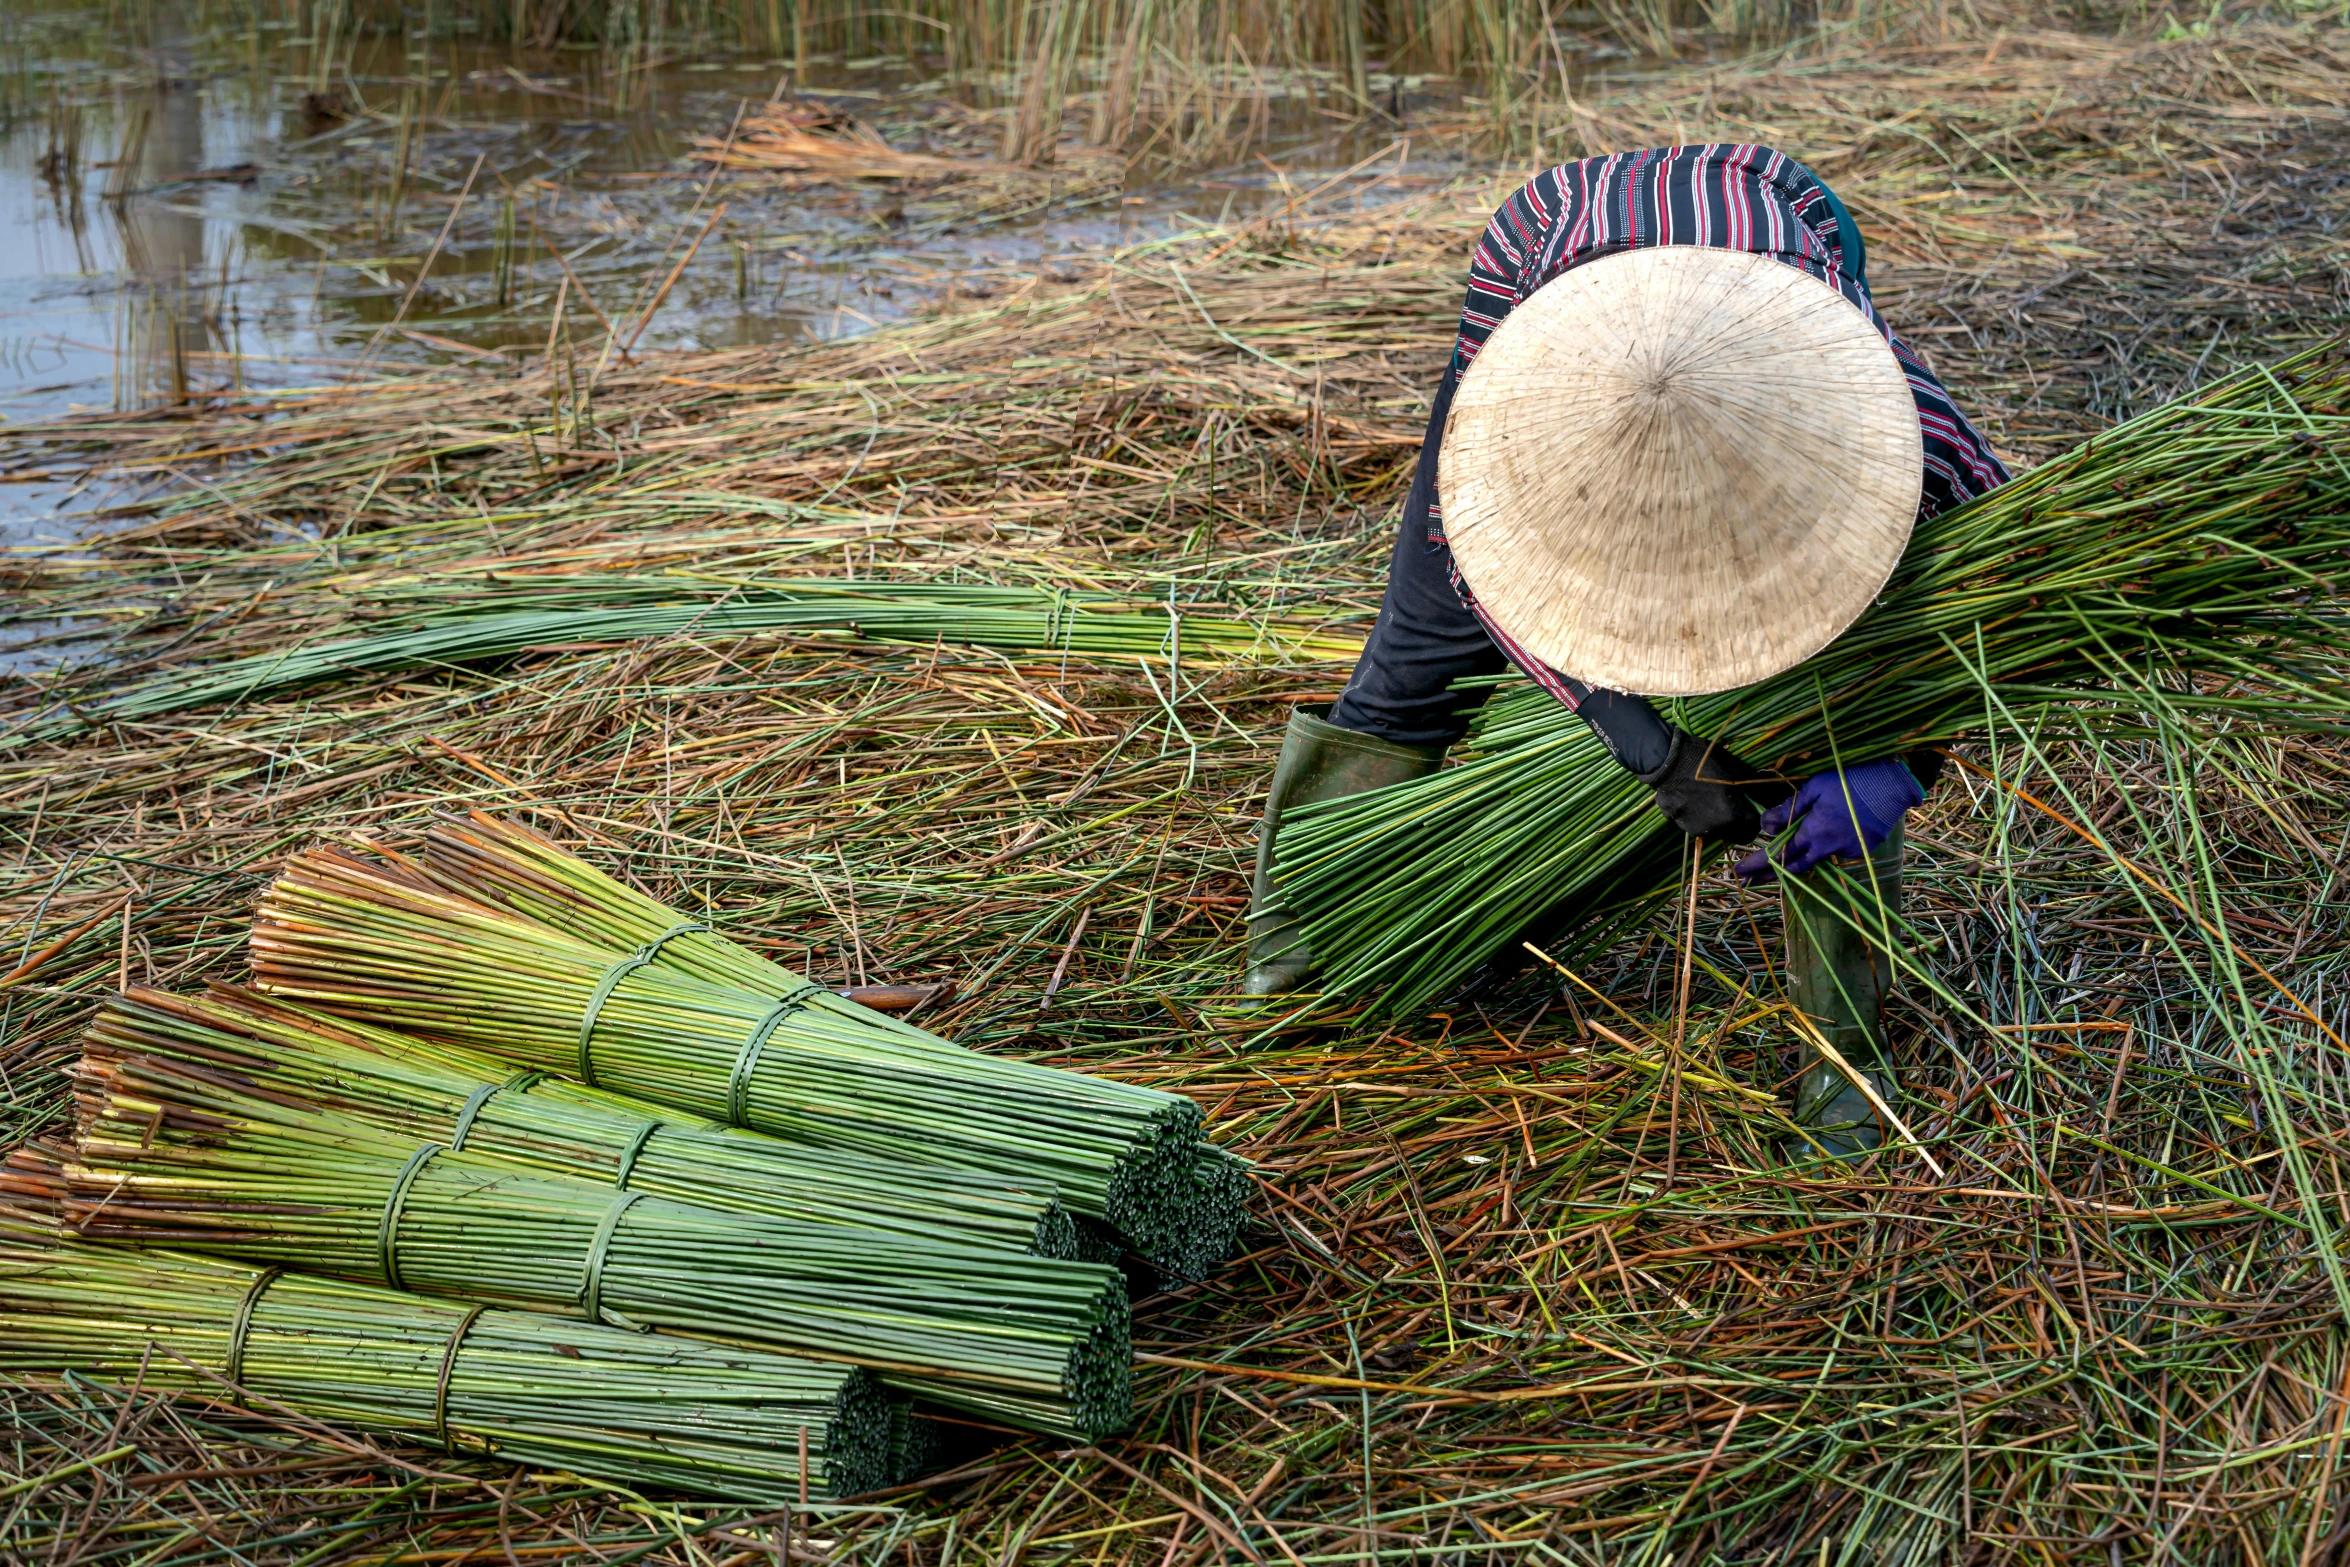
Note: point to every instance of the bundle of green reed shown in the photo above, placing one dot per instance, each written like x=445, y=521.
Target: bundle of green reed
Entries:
x=631, y=1408
x=525, y=613
x=164, y=1158
x=492, y=860
x=378, y=941
x=235, y=1045
x=2197, y=546
x=1212, y=1218
x=913, y=1444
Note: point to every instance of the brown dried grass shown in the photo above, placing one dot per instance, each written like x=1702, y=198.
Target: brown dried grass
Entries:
x=1473, y=1323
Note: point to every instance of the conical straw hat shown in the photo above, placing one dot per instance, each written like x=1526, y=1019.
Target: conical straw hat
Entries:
x=1680, y=469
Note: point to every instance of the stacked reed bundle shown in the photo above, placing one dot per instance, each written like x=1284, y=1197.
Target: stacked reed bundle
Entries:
x=506, y=864
x=2200, y=540
x=913, y=1444
x=630, y=1408
x=165, y=1157
x=1212, y=1218
x=732, y=1037
x=1217, y=1187
x=236, y=1045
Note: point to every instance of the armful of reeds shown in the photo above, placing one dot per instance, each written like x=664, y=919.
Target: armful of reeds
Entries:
x=2196, y=548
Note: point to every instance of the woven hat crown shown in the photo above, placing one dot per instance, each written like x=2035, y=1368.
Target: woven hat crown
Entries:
x=1680, y=469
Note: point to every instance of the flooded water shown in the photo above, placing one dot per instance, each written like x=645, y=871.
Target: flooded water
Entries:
x=193, y=207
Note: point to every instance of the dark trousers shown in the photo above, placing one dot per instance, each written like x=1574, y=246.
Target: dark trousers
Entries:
x=1425, y=638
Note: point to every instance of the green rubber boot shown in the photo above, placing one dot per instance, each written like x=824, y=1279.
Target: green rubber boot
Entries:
x=1839, y=978
x=1319, y=761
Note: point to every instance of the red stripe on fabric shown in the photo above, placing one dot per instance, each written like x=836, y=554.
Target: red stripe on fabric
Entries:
x=1567, y=212
x=1533, y=668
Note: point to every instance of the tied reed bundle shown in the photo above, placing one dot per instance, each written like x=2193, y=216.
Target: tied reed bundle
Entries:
x=505, y=863
x=378, y=941
x=526, y=614
x=1205, y=1230
x=163, y=1160
x=913, y=1445
x=2196, y=546
x=1210, y=1223
x=630, y=1408
x=236, y=1046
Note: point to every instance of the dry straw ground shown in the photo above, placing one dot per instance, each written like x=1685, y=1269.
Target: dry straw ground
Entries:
x=1473, y=1323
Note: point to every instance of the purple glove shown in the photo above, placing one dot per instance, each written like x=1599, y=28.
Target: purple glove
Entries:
x=1881, y=794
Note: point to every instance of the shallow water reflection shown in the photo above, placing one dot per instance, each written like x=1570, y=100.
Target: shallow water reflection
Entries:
x=192, y=209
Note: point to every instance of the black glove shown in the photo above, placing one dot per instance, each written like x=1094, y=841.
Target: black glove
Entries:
x=1703, y=789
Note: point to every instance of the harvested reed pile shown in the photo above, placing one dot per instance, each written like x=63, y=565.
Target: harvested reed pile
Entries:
x=507, y=864
x=803, y=139
x=248, y=1045
x=1475, y=1318
x=164, y=1157
x=148, y=1467
x=378, y=942
x=804, y=144
x=624, y=1407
